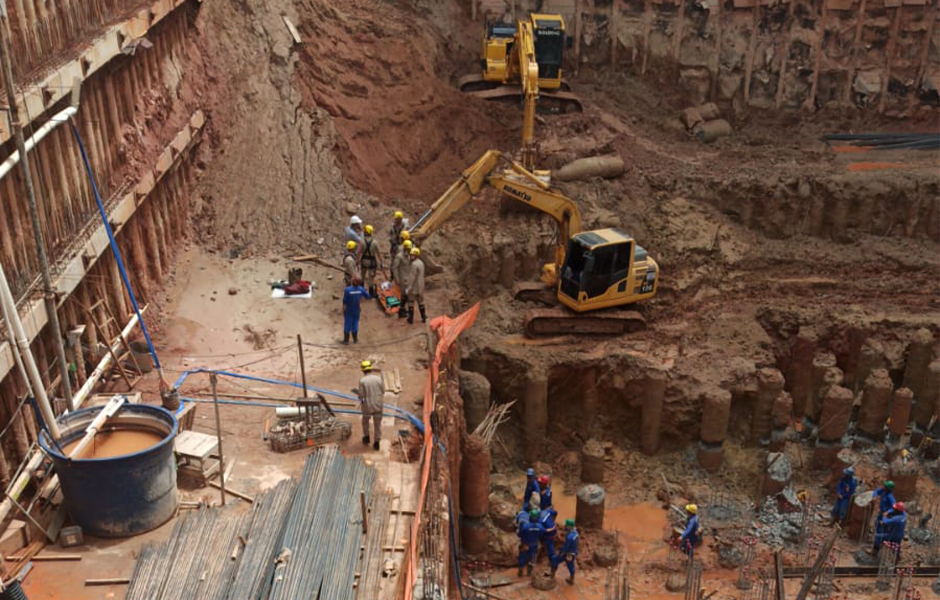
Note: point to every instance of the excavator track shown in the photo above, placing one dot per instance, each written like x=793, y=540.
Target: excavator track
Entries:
x=560, y=101
x=560, y=321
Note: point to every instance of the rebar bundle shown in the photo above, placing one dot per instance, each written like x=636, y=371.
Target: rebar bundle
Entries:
x=693, y=579
x=370, y=578
x=266, y=525
x=744, y=582
x=432, y=558
x=617, y=586
x=904, y=581
x=320, y=547
x=299, y=541
x=887, y=559
x=825, y=580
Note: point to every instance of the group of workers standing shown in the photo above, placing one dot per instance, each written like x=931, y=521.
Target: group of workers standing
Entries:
x=363, y=260
x=891, y=521
x=537, y=526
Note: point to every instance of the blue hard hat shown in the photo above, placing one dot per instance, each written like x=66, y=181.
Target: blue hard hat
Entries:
x=849, y=471
x=530, y=472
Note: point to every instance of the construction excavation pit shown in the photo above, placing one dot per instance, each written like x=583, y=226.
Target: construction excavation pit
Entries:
x=478, y=299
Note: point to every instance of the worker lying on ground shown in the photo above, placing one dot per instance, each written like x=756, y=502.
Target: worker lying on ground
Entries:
x=892, y=530
x=401, y=270
x=531, y=487
x=371, y=394
x=529, y=533
x=350, y=263
x=547, y=518
x=569, y=551
x=845, y=489
x=370, y=260
x=395, y=233
x=415, y=286
x=352, y=296
x=693, y=531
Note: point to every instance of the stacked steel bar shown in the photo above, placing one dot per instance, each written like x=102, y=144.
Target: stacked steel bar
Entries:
x=266, y=524
x=889, y=141
x=371, y=575
x=323, y=530
x=299, y=541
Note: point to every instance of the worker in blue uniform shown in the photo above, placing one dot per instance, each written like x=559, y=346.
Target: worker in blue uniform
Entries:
x=522, y=517
x=893, y=526
x=845, y=489
x=885, y=497
x=529, y=535
x=352, y=296
x=531, y=487
x=693, y=531
x=547, y=521
x=545, y=491
x=569, y=551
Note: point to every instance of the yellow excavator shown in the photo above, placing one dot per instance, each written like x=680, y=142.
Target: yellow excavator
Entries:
x=524, y=62
x=593, y=270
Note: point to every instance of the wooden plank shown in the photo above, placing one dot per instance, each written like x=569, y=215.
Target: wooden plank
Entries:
x=293, y=30
x=109, y=581
x=228, y=490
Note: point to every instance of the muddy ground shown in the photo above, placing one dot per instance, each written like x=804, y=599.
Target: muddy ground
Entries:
x=757, y=235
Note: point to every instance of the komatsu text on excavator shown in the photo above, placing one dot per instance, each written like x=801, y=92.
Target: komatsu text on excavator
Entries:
x=593, y=270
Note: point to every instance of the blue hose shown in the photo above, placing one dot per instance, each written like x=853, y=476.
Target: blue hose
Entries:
x=114, y=246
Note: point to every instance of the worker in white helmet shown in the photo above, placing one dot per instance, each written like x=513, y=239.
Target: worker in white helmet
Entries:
x=353, y=231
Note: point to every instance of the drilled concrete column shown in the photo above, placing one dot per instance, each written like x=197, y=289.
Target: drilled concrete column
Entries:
x=769, y=385
x=800, y=370
x=651, y=426
x=834, y=420
x=716, y=410
x=475, y=391
x=474, y=477
x=590, y=402
x=900, y=413
x=535, y=411
x=825, y=375
x=871, y=357
x=919, y=355
x=782, y=411
x=873, y=414
x=904, y=475
x=592, y=462
x=925, y=405
x=589, y=508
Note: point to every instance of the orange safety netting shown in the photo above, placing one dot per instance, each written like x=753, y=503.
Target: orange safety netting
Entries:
x=447, y=330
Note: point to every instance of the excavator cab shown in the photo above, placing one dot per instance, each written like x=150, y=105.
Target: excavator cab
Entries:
x=605, y=268
x=549, y=33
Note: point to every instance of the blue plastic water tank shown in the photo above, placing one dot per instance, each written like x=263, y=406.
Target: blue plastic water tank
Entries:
x=124, y=495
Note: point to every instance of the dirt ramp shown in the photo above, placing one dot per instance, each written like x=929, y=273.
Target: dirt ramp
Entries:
x=403, y=130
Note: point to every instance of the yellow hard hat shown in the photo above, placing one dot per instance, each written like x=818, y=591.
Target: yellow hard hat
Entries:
x=407, y=244
x=692, y=508
x=415, y=251
x=366, y=365
x=399, y=214
x=369, y=230
x=405, y=234
x=350, y=245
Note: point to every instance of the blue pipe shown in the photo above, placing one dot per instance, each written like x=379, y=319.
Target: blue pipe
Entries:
x=114, y=246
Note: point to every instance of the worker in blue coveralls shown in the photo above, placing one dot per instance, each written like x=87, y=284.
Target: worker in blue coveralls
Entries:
x=547, y=518
x=885, y=497
x=569, y=551
x=529, y=535
x=845, y=489
x=531, y=486
x=693, y=531
x=353, y=294
x=545, y=491
x=893, y=526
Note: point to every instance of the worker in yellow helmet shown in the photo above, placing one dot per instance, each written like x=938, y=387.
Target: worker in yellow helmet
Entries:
x=350, y=263
x=370, y=259
x=693, y=530
x=395, y=231
x=401, y=268
x=415, y=286
x=371, y=393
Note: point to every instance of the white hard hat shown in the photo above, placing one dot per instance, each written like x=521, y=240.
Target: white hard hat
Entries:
x=355, y=220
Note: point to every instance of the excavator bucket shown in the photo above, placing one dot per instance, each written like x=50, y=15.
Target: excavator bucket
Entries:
x=549, y=101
